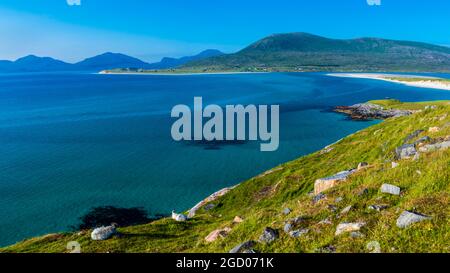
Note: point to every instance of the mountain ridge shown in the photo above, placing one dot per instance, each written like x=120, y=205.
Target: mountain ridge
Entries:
x=107, y=60
x=299, y=51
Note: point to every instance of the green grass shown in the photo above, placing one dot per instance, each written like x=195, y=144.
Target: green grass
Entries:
x=260, y=200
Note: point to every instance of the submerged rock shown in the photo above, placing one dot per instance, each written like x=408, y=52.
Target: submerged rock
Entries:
x=103, y=233
x=391, y=189
x=408, y=218
x=269, y=235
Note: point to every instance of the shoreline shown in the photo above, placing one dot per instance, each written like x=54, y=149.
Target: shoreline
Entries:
x=177, y=74
x=425, y=82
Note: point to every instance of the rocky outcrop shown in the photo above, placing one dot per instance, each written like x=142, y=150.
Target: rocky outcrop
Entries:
x=323, y=184
x=434, y=147
x=208, y=199
x=368, y=111
x=103, y=233
x=405, y=151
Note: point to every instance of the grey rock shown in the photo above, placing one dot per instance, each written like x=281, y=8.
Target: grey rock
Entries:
x=394, y=164
x=338, y=199
x=434, y=147
x=416, y=156
x=413, y=135
x=241, y=248
x=405, y=151
x=299, y=232
x=318, y=197
x=361, y=165
x=103, y=233
x=286, y=211
x=348, y=227
x=326, y=249
x=346, y=209
x=326, y=221
x=269, y=235
x=287, y=227
x=422, y=140
x=377, y=207
x=391, y=189
x=332, y=208
x=209, y=206
x=408, y=218
x=356, y=234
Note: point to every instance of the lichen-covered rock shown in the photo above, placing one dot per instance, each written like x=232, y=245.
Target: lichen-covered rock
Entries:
x=434, y=147
x=405, y=151
x=269, y=235
x=103, y=233
x=408, y=218
x=391, y=189
x=348, y=227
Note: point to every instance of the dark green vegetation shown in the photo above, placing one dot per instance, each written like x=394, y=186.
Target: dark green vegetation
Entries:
x=424, y=183
x=307, y=52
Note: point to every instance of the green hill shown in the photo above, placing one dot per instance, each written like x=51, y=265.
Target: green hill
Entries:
x=307, y=52
x=263, y=201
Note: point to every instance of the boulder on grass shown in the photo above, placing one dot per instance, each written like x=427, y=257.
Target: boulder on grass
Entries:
x=408, y=218
x=103, y=233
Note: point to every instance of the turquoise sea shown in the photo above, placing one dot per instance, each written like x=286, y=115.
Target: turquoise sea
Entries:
x=73, y=141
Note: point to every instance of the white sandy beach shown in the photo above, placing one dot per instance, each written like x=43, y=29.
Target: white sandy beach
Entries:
x=427, y=82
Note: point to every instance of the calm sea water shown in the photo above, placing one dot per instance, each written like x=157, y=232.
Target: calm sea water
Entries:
x=70, y=142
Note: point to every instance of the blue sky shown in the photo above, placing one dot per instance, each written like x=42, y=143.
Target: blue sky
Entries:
x=152, y=29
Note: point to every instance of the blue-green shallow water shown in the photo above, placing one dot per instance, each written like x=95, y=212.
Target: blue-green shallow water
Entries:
x=69, y=142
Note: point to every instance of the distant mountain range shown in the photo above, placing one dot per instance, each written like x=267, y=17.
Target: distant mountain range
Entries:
x=307, y=52
x=104, y=61
x=297, y=51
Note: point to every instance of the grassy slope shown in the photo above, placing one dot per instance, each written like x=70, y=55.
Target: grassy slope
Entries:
x=260, y=200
